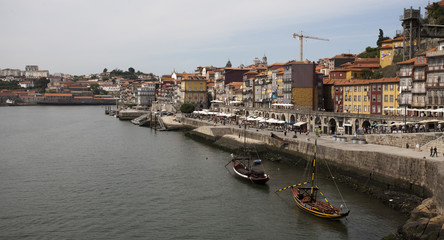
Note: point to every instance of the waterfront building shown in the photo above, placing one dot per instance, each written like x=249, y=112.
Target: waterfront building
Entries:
x=419, y=82
x=352, y=96
x=405, y=82
x=306, y=85
x=259, y=90
x=146, y=94
x=435, y=77
x=247, y=87
x=234, y=92
x=58, y=97
x=390, y=93
x=194, y=90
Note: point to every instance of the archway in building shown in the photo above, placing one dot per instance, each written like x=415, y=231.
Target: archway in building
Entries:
x=365, y=126
x=283, y=117
x=277, y=117
x=292, y=119
x=332, y=126
x=260, y=114
x=318, y=121
x=266, y=115
x=247, y=113
x=272, y=115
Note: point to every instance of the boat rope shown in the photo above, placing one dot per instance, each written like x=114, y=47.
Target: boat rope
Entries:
x=336, y=185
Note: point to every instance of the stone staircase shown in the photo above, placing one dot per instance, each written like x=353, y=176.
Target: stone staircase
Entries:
x=438, y=143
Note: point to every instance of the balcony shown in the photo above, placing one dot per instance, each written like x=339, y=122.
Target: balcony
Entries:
x=418, y=90
x=435, y=68
x=418, y=104
x=287, y=80
x=435, y=85
x=439, y=53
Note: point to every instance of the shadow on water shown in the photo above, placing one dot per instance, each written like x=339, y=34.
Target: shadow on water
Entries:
x=325, y=225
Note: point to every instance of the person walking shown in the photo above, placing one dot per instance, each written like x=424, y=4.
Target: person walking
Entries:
x=431, y=151
x=435, y=152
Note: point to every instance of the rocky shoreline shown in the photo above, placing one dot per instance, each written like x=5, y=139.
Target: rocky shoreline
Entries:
x=425, y=222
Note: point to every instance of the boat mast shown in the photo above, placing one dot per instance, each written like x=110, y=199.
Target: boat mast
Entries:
x=312, y=192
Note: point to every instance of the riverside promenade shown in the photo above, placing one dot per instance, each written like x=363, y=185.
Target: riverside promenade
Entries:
x=398, y=168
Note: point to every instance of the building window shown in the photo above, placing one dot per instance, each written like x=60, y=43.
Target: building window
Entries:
x=365, y=98
x=365, y=108
x=379, y=98
x=373, y=109
x=365, y=88
x=386, y=98
x=385, y=87
x=391, y=86
x=359, y=98
x=379, y=109
x=354, y=98
x=379, y=87
x=359, y=89
x=391, y=98
x=355, y=89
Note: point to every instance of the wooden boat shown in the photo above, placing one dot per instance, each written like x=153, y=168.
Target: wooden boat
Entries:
x=306, y=197
x=243, y=167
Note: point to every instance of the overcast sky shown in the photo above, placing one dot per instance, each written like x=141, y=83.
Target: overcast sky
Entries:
x=86, y=36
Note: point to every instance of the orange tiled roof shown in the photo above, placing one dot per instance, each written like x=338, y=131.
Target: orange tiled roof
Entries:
x=386, y=47
x=235, y=84
x=408, y=61
x=387, y=41
x=58, y=94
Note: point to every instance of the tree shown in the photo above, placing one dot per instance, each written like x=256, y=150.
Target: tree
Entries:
x=105, y=70
x=95, y=88
x=131, y=70
x=187, y=108
x=381, y=38
x=41, y=84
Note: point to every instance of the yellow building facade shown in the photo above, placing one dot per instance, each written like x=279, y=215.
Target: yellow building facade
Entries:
x=194, y=90
x=356, y=97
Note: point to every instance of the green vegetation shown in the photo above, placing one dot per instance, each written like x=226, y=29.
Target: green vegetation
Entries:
x=187, y=108
x=9, y=85
x=370, y=53
x=95, y=89
x=381, y=38
x=130, y=74
x=436, y=14
x=41, y=84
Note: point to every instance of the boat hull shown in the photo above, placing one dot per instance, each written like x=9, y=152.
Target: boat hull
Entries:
x=256, y=180
x=309, y=209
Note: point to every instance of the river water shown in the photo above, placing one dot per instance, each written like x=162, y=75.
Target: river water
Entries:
x=70, y=172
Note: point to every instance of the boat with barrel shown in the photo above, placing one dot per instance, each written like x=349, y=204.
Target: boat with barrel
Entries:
x=245, y=167
x=308, y=197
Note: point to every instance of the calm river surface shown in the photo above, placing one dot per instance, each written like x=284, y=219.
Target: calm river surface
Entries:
x=74, y=173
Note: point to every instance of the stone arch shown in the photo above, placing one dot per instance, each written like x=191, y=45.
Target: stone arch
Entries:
x=366, y=125
x=266, y=115
x=332, y=126
x=277, y=117
x=260, y=114
x=292, y=119
x=318, y=121
x=247, y=113
x=272, y=115
x=283, y=117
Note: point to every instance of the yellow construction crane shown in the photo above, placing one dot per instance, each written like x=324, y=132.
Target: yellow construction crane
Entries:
x=301, y=36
